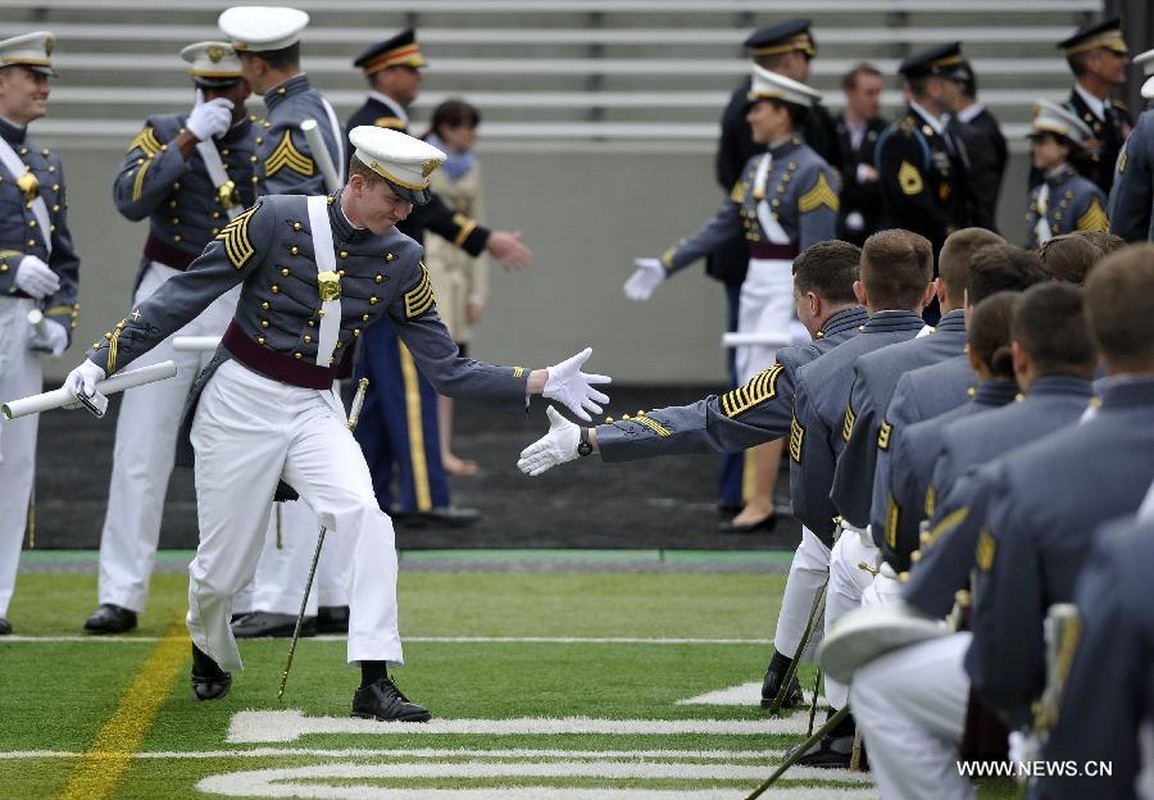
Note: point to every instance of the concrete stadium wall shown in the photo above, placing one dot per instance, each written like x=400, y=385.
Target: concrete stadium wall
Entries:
x=586, y=215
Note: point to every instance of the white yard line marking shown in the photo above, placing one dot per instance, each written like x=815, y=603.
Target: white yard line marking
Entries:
x=308, y=782
x=766, y=756
x=289, y=725
x=419, y=639
x=744, y=694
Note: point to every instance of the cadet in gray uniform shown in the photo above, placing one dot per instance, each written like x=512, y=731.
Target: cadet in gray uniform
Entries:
x=1131, y=204
x=877, y=374
x=164, y=177
x=930, y=391
x=912, y=703
x=39, y=272
x=1107, y=699
x=824, y=276
x=1064, y=201
x=313, y=271
x=911, y=496
x=896, y=283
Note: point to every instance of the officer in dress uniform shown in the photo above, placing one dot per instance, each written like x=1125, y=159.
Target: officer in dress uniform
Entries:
x=39, y=271
x=785, y=48
x=1064, y=201
x=896, y=283
x=166, y=177
x=986, y=151
x=912, y=703
x=1131, y=205
x=911, y=497
x=858, y=128
x=1106, y=701
x=1098, y=57
x=399, y=429
x=922, y=165
x=877, y=374
x=314, y=272
x=268, y=41
x=760, y=411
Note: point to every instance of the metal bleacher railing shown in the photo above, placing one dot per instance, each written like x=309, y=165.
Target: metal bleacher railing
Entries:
x=656, y=71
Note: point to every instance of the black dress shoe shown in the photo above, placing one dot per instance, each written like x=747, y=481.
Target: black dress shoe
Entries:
x=5, y=627
x=111, y=618
x=763, y=525
x=442, y=517
x=771, y=685
x=260, y=624
x=384, y=701
x=333, y=619
x=833, y=752
x=209, y=681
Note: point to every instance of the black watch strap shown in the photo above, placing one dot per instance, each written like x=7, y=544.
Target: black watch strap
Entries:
x=584, y=446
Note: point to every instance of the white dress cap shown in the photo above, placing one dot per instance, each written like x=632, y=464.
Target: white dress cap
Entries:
x=212, y=62
x=32, y=50
x=405, y=162
x=259, y=29
x=1050, y=117
x=771, y=86
x=1146, y=61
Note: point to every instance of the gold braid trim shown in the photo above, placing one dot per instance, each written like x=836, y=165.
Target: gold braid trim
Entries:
x=237, y=246
x=652, y=425
x=286, y=155
x=138, y=182
x=761, y=388
x=822, y=194
x=420, y=298
x=146, y=140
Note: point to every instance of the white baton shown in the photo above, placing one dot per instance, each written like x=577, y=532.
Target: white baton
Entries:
x=321, y=154
x=58, y=398
x=195, y=344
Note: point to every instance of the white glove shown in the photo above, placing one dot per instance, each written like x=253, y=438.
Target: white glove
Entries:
x=211, y=118
x=571, y=387
x=49, y=336
x=83, y=379
x=35, y=278
x=555, y=447
x=647, y=273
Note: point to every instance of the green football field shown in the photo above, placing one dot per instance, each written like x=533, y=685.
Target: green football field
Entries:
x=543, y=684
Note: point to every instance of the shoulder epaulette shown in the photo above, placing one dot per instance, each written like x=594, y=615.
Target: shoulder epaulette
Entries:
x=146, y=140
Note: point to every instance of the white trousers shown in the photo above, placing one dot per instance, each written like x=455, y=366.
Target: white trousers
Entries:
x=142, y=460
x=20, y=375
x=249, y=431
x=847, y=582
x=766, y=306
x=808, y=572
x=911, y=708
x=287, y=557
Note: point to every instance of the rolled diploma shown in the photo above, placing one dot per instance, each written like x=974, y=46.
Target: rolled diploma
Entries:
x=58, y=398
x=196, y=344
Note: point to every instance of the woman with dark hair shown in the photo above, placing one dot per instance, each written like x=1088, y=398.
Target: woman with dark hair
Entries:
x=460, y=281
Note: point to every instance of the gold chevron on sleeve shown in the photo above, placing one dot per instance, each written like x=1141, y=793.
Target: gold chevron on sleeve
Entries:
x=146, y=140
x=822, y=194
x=138, y=181
x=420, y=298
x=796, y=440
x=761, y=388
x=987, y=547
x=652, y=424
x=848, y=423
x=237, y=245
x=1095, y=218
x=286, y=155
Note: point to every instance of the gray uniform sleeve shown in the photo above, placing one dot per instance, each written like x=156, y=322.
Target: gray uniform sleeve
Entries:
x=147, y=173
x=900, y=412
x=758, y=412
x=811, y=465
x=289, y=164
x=852, y=479
x=1132, y=196
x=818, y=206
x=721, y=228
x=421, y=329
x=227, y=260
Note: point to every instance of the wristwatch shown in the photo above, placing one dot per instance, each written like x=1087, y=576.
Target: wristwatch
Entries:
x=584, y=446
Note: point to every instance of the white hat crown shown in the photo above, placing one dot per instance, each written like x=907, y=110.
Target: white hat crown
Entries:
x=401, y=159
x=212, y=60
x=262, y=28
x=1050, y=117
x=768, y=85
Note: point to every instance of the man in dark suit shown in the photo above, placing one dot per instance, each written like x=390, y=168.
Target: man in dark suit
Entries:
x=985, y=147
x=1098, y=57
x=858, y=129
x=786, y=49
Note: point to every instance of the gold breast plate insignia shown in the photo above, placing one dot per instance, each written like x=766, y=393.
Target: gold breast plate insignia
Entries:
x=329, y=285
x=227, y=195
x=29, y=186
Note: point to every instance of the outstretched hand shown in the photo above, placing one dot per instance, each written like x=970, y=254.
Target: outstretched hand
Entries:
x=555, y=447
x=571, y=387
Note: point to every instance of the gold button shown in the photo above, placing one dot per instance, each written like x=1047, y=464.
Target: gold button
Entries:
x=356, y=331
x=297, y=356
x=176, y=238
x=308, y=339
x=175, y=220
x=264, y=305
x=215, y=231
x=253, y=159
x=45, y=152
x=255, y=179
x=341, y=272
x=285, y=271
x=214, y=215
x=297, y=226
x=55, y=207
x=31, y=242
x=3, y=268
x=364, y=318
x=378, y=278
x=31, y=223
x=389, y=257
x=23, y=151
x=312, y=323
x=275, y=289
x=344, y=254
x=176, y=186
x=56, y=187
x=373, y=300
x=264, y=323
x=224, y=151
x=260, y=140
x=294, y=250
x=260, y=340
x=172, y=204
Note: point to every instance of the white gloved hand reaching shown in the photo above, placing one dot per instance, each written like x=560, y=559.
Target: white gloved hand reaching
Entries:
x=210, y=118
x=571, y=387
x=82, y=380
x=555, y=447
x=35, y=278
x=647, y=274
x=49, y=337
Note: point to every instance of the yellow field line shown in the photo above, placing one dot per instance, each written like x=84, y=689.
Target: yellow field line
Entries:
x=108, y=759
